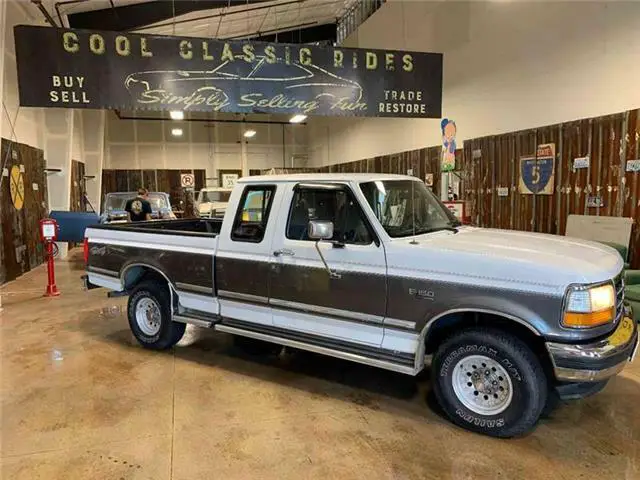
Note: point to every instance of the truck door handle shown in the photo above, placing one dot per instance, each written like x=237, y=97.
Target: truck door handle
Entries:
x=284, y=252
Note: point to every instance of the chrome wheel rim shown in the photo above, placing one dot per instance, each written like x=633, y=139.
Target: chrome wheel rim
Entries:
x=148, y=316
x=482, y=385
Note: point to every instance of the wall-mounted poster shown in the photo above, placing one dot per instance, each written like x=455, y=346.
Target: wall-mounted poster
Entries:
x=448, y=161
x=633, y=165
x=428, y=179
x=537, y=173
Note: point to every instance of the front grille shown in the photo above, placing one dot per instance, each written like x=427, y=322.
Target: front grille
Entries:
x=618, y=283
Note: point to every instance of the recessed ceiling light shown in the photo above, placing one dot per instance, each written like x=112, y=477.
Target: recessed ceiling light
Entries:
x=249, y=133
x=298, y=118
x=176, y=132
x=176, y=115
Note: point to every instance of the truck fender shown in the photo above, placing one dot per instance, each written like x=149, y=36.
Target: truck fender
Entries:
x=141, y=267
x=433, y=321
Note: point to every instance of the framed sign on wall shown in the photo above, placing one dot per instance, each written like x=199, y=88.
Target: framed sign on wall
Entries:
x=537, y=172
x=228, y=178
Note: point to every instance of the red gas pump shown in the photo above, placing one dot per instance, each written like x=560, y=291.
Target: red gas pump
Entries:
x=48, y=235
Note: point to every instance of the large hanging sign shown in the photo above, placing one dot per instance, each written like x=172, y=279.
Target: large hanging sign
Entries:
x=90, y=69
x=537, y=173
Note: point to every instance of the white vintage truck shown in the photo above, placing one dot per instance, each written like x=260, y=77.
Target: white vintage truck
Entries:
x=374, y=269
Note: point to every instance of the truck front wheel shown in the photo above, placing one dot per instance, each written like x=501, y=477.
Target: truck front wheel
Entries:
x=149, y=315
x=490, y=382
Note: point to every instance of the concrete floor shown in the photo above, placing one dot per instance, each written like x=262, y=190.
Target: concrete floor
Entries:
x=80, y=399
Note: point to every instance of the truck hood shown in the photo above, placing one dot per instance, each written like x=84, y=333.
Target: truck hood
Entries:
x=511, y=255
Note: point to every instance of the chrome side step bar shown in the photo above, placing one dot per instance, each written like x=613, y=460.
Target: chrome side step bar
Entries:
x=317, y=349
x=198, y=322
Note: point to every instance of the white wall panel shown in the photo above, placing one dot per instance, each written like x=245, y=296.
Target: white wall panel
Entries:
x=507, y=66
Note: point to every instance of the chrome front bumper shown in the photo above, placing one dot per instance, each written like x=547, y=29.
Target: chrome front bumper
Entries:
x=595, y=362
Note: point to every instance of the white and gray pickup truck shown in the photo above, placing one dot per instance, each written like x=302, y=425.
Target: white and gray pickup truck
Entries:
x=374, y=269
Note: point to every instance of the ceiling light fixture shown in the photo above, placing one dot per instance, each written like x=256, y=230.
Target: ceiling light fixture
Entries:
x=250, y=133
x=176, y=115
x=176, y=132
x=298, y=118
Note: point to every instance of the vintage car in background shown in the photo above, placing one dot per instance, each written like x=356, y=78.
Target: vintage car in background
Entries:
x=113, y=206
x=212, y=201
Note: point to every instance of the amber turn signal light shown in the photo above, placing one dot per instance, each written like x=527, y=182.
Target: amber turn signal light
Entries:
x=592, y=319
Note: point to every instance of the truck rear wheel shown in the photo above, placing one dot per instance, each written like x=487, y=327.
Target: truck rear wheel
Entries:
x=149, y=315
x=490, y=382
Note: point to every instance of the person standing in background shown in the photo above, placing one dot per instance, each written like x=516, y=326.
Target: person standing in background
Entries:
x=190, y=209
x=139, y=208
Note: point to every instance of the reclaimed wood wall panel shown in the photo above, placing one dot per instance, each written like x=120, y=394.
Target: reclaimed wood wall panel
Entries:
x=609, y=142
x=149, y=180
x=630, y=192
x=77, y=201
x=201, y=179
x=15, y=260
x=35, y=201
x=122, y=181
x=20, y=247
x=134, y=180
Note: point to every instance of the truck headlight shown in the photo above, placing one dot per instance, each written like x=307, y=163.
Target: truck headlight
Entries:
x=589, y=306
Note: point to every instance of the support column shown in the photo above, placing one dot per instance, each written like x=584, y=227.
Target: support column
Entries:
x=244, y=157
x=93, y=153
x=58, y=144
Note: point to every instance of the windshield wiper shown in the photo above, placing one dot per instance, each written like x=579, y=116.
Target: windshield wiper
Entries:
x=407, y=232
x=449, y=228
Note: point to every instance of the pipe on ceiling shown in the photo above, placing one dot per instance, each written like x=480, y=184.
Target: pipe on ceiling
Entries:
x=65, y=2
x=206, y=120
x=45, y=12
x=215, y=15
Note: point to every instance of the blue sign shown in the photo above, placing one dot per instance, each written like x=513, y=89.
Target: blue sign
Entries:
x=536, y=174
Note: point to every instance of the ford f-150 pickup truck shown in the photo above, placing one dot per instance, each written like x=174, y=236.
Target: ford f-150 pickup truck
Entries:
x=374, y=269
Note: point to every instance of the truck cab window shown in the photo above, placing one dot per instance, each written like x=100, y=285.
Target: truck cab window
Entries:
x=335, y=205
x=251, y=218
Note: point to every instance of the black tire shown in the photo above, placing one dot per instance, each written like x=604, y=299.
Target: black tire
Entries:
x=255, y=347
x=170, y=332
x=527, y=382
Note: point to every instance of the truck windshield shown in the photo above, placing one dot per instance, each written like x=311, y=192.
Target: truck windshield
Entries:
x=393, y=202
x=210, y=196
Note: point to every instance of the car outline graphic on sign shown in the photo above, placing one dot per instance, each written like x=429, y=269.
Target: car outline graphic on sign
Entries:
x=303, y=76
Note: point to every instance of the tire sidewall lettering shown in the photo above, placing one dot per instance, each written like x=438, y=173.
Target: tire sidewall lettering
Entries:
x=458, y=354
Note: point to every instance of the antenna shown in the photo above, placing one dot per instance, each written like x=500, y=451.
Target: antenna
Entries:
x=413, y=212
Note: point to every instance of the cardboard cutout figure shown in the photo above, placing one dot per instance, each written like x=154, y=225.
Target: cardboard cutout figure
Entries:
x=448, y=162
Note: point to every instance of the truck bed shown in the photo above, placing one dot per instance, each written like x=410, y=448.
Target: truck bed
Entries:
x=189, y=226
x=183, y=251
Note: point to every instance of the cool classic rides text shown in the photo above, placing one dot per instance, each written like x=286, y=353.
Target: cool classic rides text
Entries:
x=125, y=46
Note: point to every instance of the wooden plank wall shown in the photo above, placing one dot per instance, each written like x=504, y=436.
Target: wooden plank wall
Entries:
x=609, y=141
x=77, y=200
x=20, y=247
x=166, y=180
x=419, y=162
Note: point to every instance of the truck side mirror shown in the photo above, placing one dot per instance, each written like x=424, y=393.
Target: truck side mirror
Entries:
x=319, y=230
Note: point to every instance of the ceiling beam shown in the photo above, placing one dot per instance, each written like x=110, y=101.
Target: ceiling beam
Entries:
x=128, y=17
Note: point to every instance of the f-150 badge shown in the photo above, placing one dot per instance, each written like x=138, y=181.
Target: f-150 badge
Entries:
x=422, y=294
